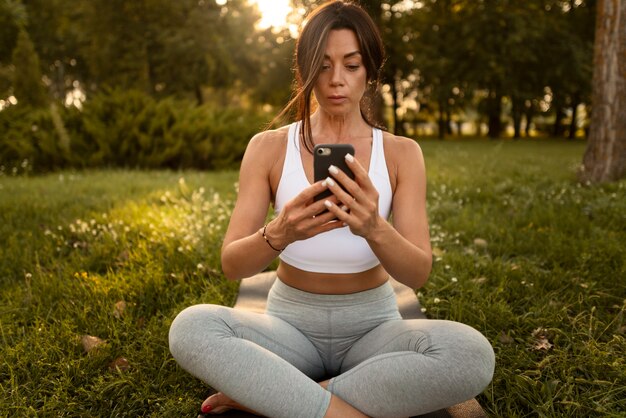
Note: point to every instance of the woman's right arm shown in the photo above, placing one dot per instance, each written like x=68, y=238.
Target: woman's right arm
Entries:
x=244, y=250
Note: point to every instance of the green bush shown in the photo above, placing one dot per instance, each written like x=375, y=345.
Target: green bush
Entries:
x=29, y=141
x=129, y=129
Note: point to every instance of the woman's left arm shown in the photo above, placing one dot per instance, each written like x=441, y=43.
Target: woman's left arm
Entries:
x=404, y=247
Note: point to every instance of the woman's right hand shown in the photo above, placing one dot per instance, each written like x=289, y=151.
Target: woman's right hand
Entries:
x=302, y=218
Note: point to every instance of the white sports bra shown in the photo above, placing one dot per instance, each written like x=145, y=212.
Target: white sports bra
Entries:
x=339, y=250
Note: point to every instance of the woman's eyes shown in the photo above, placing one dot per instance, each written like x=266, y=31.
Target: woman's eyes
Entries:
x=350, y=67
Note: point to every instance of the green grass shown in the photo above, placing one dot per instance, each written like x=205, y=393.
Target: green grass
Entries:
x=523, y=253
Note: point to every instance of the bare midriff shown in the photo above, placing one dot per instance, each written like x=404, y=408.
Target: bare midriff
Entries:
x=332, y=283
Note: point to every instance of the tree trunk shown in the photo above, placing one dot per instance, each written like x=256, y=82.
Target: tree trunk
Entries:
x=516, y=114
x=557, y=129
x=529, y=111
x=494, y=110
x=199, y=95
x=441, y=121
x=459, y=127
x=605, y=157
x=573, y=126
x=449, y=121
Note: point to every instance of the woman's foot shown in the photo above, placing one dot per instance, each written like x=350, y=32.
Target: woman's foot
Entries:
x=219, y=403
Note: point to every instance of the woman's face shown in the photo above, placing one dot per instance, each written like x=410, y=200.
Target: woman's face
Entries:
x=343, y=78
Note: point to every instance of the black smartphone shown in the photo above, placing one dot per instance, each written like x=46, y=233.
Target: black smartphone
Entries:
x=325, y=155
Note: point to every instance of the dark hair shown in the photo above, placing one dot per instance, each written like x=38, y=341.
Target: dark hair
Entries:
x=309, y=57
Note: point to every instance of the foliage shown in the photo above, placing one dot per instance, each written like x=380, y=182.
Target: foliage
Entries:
x=27, y=84
x=29, y=140
x=129, y=129
x=12, y=18
x=448, y=59
x=522, y=252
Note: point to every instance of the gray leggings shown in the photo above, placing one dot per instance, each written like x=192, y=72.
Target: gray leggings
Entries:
x=379, y=363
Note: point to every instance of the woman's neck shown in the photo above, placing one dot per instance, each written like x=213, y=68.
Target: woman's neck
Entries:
x=330, y=128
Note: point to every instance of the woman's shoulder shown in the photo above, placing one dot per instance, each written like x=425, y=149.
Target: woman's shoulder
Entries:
x=401, y=148
x=269, y=141
x=405, y=160
x=271, y=137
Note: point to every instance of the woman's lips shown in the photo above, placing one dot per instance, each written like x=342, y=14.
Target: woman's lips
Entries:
x=337, y=99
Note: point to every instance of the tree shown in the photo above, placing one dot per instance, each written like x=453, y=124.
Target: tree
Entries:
x=441, y=56
x=567, y=55
x=54, y=28
x=27, y=84
x=12, y=18
x=605, y=157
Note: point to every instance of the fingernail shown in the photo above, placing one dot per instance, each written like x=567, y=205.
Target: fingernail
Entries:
x=333, y=170
x=329, y=182
x=327, y=203
x=206, y=409
x=324, y=183
x=344, y=208
x=349, y=158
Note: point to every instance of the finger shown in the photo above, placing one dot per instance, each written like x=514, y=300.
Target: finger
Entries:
x=342, y=196
x=340, y=212
x=329, y=226
x=355, y=203
x=321, y=215
x=324, y=222
x=360, y=174
x=316, y=214
x=342, y=178
x=358, y=187
x=310, y=192
x=317, y=208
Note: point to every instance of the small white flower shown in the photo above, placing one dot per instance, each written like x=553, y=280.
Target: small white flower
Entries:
x=436, y=300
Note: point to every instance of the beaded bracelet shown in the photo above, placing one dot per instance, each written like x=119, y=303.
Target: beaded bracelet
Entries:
x=268, y=241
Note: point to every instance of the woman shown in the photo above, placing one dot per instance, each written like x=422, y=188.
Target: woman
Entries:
x=332, y=343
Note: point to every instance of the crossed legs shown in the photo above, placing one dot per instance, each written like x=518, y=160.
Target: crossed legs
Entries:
x=400, y=368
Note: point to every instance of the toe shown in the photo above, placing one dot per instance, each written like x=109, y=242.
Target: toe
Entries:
x=208, y=404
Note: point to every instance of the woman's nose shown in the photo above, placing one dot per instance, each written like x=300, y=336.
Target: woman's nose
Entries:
x=336, y=78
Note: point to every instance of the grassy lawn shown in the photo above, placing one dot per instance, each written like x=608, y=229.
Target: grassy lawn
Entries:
x=532, y=259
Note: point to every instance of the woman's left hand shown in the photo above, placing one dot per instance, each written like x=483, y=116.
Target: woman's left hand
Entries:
x=358, y=207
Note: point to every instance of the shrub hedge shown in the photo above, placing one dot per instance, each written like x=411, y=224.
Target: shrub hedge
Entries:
x=127, y=129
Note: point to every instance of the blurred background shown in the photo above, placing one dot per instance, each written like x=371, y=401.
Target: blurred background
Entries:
x=185, y=84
